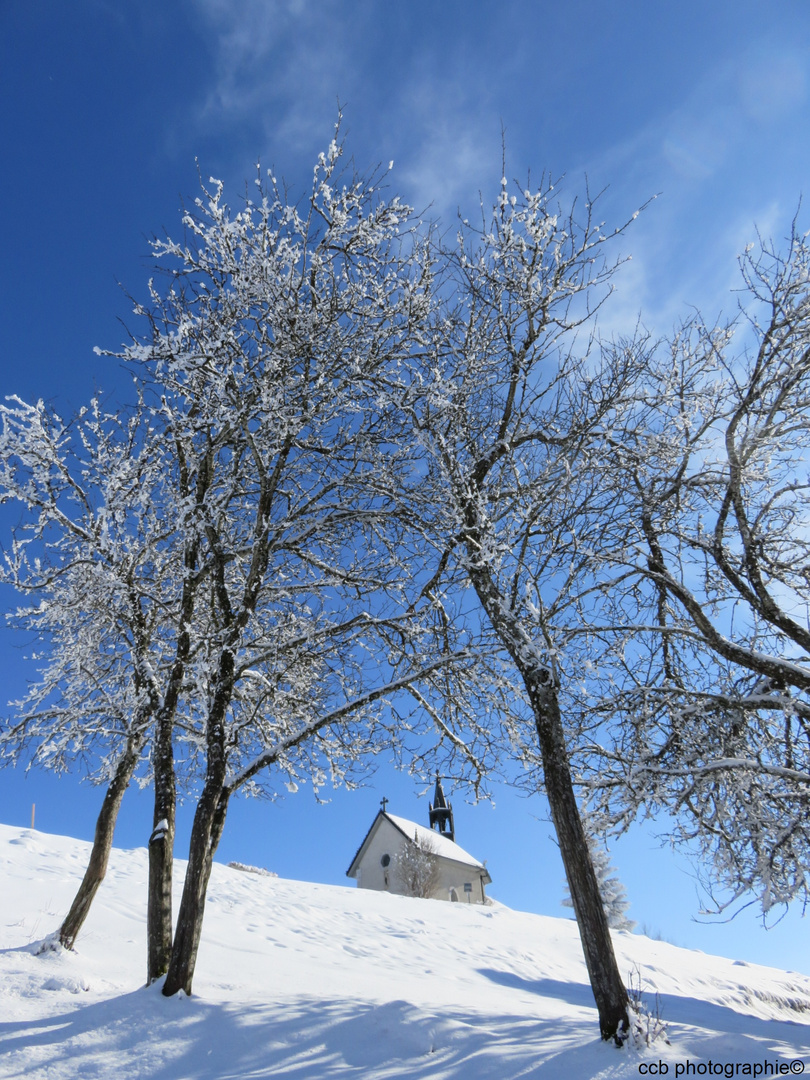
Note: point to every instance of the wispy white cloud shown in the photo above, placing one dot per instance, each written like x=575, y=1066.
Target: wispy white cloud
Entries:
x=726, y=160
x=452, y=149
x=278, y=70
x=281, y=66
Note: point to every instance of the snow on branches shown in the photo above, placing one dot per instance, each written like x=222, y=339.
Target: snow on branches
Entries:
x=708, y=713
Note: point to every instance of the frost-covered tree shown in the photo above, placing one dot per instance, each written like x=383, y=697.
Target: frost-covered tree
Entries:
x=265, y=357
x=711, y=687
x=611, y=890
x=115, y=577
x=416, y=868
x=511, y=415
x=90, y=563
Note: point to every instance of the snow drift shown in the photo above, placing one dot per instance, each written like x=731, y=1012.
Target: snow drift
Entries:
x=315, y=981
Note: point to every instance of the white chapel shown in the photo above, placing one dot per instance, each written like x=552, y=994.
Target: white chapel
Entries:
x=400, y=856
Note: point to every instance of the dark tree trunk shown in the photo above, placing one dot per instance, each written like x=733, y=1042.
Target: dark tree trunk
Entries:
x=209, y=821
x=102, y=843
x=609, y=991
x=161, y=855
x=608, y=988
x=161, y=842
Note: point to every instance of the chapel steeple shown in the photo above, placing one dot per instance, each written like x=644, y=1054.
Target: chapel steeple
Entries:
x=440, y=812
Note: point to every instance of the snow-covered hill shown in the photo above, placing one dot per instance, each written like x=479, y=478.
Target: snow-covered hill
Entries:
x=315, y=981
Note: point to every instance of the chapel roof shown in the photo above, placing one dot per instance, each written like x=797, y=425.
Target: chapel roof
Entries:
x=444, y=848
x=448, y=849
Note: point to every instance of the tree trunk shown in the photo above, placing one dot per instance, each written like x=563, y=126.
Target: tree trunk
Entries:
x=608, y=988
x=161, y=842
x=209, y=821
x=102, y=843
x=161, y=856
x=609, y=991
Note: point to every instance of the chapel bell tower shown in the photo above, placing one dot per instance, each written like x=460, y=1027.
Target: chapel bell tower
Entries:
x=441, y=812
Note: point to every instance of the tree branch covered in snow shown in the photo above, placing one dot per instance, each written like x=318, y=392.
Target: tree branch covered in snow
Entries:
x=712, y=697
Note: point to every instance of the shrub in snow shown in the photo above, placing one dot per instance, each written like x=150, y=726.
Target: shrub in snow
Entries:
x=260, y=870
x=416, y=868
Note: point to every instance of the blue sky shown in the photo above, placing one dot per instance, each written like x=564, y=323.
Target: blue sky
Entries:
x=108, y=106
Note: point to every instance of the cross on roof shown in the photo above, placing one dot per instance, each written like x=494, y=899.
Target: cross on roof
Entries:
x=383, y=803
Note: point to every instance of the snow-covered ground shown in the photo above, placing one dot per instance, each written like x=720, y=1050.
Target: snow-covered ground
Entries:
x=315, y=981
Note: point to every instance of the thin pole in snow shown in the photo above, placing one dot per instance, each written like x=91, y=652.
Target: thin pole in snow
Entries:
x=33, y=809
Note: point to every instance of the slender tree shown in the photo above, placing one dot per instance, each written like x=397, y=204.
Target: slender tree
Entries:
x=91, y=562
x=238, y=530
x=512, y=422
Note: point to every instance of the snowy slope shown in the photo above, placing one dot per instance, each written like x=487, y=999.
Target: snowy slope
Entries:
x=315, y=981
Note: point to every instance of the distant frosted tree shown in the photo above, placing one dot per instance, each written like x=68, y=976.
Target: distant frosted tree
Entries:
x=416, y=868
x=613, y=893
